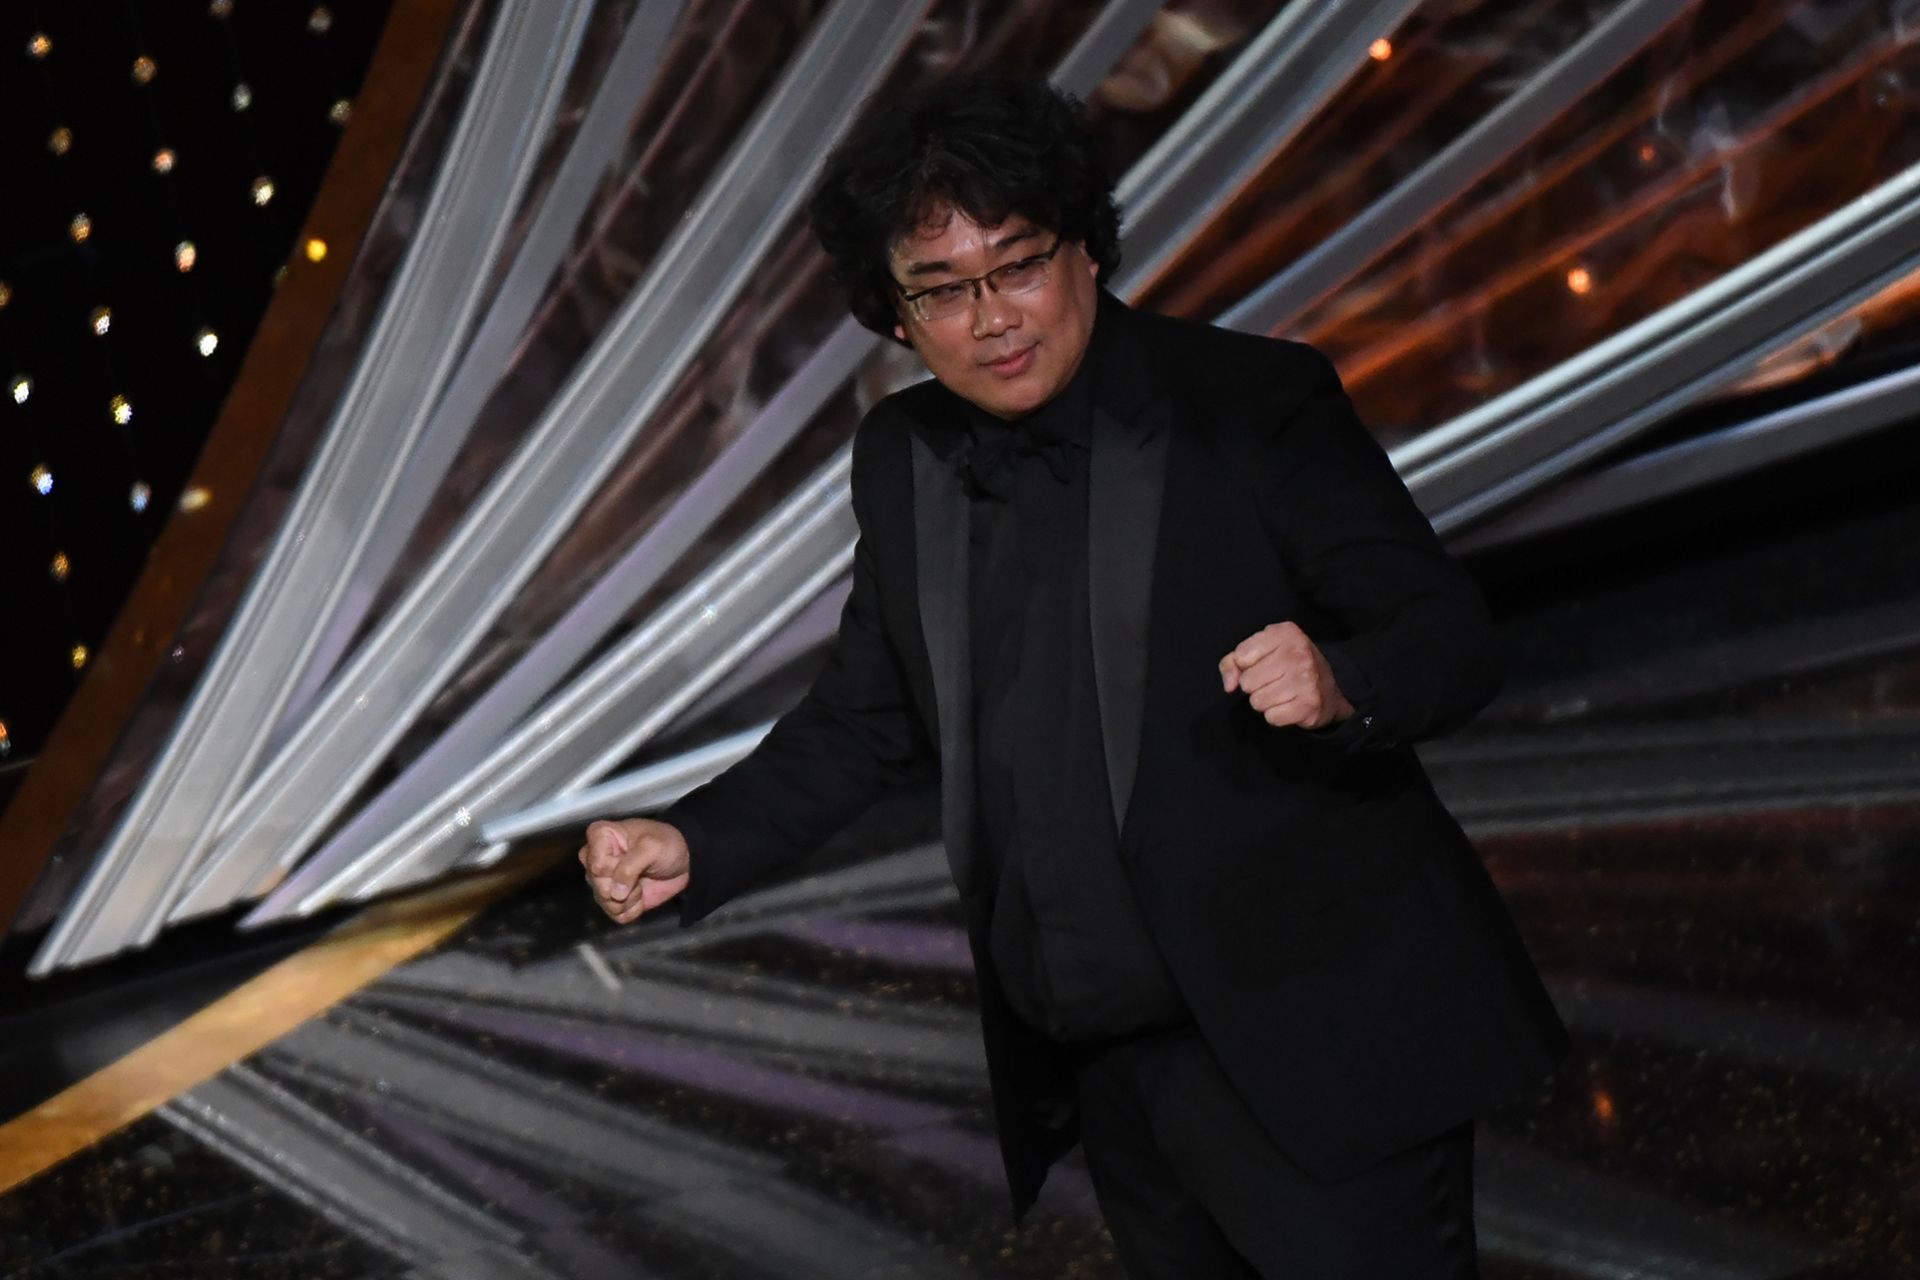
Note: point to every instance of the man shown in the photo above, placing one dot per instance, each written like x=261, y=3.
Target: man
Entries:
x=1158, y=610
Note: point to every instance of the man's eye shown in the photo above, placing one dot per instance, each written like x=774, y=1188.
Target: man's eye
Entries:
x=945, y=292
x=1019, y=272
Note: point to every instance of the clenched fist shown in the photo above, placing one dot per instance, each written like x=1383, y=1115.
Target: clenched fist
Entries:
x=634, y=865
x=1285, y=677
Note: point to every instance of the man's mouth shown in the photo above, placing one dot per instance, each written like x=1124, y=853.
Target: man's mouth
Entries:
x=1016, y=363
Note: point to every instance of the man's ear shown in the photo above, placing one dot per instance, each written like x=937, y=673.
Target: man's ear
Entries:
x=900, y=332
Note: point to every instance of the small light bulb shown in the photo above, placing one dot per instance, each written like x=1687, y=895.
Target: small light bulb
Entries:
x=185, y=255
x=195, y=498
x=316, y=249
x=21, y=387
x=206, y=340
x=320, y=21
x=262, y=190
x=341, y=111
x=80, y=228
x=1580, y=280
x=101, y=320
x=39, y=46
x=60, y=141
x=6, y=293
x=79, y=656
x=42, y=479
x=139, y=495
x=60, y=566
x=163, y=160
x=122, y=410
x=220, y=8
x=143, y=70
x=1380, y=50
x=242, y=97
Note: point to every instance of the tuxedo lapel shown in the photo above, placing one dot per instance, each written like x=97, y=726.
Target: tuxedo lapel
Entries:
x=941, y=566
x=1123, y=520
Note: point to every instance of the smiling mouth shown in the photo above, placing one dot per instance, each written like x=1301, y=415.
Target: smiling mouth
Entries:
x=1014, y=361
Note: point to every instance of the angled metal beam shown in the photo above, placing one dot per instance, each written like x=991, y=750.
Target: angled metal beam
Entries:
x=595, y=146
x=1523, y=440
x=293, y=1147
x=1450, y=173
x=652, y=787
x=223, y=730
x=1290, y=71
x=619, y=384
x=1818, y=423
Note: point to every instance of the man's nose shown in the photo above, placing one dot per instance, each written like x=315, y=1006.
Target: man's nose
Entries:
x=992, y=314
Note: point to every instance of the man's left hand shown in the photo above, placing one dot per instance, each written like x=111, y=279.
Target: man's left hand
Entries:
x=1285, y=677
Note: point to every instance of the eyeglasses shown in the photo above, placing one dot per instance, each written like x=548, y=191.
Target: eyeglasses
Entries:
x=944, y=301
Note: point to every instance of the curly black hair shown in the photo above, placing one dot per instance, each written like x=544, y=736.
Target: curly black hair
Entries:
x=987, y=145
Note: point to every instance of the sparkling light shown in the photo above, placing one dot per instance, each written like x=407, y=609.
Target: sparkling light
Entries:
x=163, y=160
x=42, y=479
x=206, y=340
x=242, y=97
x=320, y=21
x=185, y=255
x=316, y=249
x=195, y=498
x=341, y=111
x=6, y=293
x=1580, y=280
x=39, y=46
x=143, y=70
x=101, y=320
x=60, y=141
x=79, y=656
x=80, y=228
x=138, y=496
x=122, y=410
x=60, y=566
x=1380, y=50
x=21, y=387
x=220, y=8
x=262, y=190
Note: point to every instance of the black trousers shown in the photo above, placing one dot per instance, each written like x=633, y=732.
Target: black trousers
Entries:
x=1193, y=1189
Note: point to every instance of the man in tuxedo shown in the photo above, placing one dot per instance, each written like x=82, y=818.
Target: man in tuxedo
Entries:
x=1156, y=610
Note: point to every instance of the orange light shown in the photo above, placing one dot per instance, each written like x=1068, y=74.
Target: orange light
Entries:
x=1603, y=1108
x=1580, y=280
x=316, y=249
x=1380, y=50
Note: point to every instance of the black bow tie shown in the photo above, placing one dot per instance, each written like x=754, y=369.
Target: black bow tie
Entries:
x=983, y=465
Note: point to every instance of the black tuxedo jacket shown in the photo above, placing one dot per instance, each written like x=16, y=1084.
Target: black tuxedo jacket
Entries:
x=1340, y=945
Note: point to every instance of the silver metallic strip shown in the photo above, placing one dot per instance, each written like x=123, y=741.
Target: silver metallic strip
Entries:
x=1106, y=40
x=583, y=433
x=1787, y=433
x=291, y=1146
x=1388, y=220
x=429, y=307
x=1534, y=434
x=1282, y=79
x=602, y=133
x=646, y=788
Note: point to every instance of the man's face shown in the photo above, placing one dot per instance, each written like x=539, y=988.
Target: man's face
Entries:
x=1007, y=353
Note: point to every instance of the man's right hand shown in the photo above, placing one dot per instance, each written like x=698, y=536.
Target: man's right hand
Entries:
x=634, y=865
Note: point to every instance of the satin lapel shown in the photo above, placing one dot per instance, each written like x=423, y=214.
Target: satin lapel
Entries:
x=1123, y=520
x=941, y=565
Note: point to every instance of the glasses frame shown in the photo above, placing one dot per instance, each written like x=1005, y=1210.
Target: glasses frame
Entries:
x=978, y=284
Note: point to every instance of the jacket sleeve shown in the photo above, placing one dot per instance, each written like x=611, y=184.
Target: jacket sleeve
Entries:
x=852, y=739
x=1410, y=643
